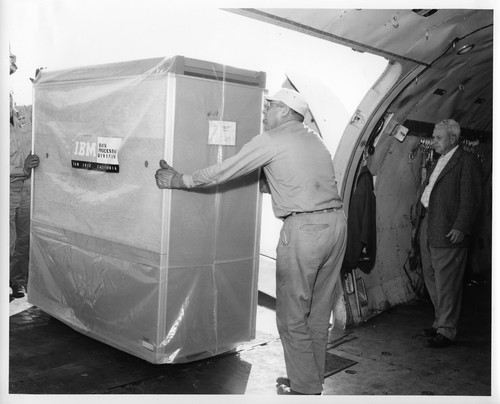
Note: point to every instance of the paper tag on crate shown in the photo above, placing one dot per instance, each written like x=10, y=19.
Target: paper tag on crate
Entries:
x=222, y=133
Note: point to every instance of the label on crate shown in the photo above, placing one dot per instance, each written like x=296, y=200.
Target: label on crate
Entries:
x=96, y=153
x=222, y=133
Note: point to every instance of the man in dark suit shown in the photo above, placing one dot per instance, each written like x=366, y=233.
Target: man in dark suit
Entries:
x=451, y=199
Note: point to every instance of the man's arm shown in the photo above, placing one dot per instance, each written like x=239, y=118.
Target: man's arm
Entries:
x=264, y=184
x=256, y=153
x=16, y=171
x=470, y=198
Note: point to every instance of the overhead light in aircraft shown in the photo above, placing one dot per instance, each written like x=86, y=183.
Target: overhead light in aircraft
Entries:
x=465, y=49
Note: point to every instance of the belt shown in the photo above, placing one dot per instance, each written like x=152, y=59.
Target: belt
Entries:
x=313, y=211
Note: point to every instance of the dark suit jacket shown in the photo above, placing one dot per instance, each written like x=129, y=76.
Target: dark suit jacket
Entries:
x=455, y=199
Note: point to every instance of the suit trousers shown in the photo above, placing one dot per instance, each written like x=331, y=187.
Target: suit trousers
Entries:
x=19, y=231
x=309, y=258
x=443, y=270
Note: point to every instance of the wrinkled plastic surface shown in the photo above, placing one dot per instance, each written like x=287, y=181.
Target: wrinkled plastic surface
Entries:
x=168, y=276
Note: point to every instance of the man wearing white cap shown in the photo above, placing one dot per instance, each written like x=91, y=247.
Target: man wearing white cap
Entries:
x=301, y=180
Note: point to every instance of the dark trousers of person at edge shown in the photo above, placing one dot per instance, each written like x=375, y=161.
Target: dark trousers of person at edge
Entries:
x=309, y=258
x=19, y=232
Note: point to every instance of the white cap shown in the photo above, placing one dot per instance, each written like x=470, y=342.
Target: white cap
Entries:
x=291, y=99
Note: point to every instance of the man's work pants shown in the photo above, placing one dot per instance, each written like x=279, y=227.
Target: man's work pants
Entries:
x=443, y=270
x=309, y=258
x=19, y=231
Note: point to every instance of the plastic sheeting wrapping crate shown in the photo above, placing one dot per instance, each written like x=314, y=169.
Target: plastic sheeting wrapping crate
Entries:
x=168, y=276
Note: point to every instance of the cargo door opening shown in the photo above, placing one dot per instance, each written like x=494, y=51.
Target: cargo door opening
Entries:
x=333, y=101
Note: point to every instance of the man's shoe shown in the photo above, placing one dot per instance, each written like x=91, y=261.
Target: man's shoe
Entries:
x=286, y=390
x=427, y=332
x=439, y=341
x=283, y=380
x=18, y=291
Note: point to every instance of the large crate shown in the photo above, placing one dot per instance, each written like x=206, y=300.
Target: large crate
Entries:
x=169, y=276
